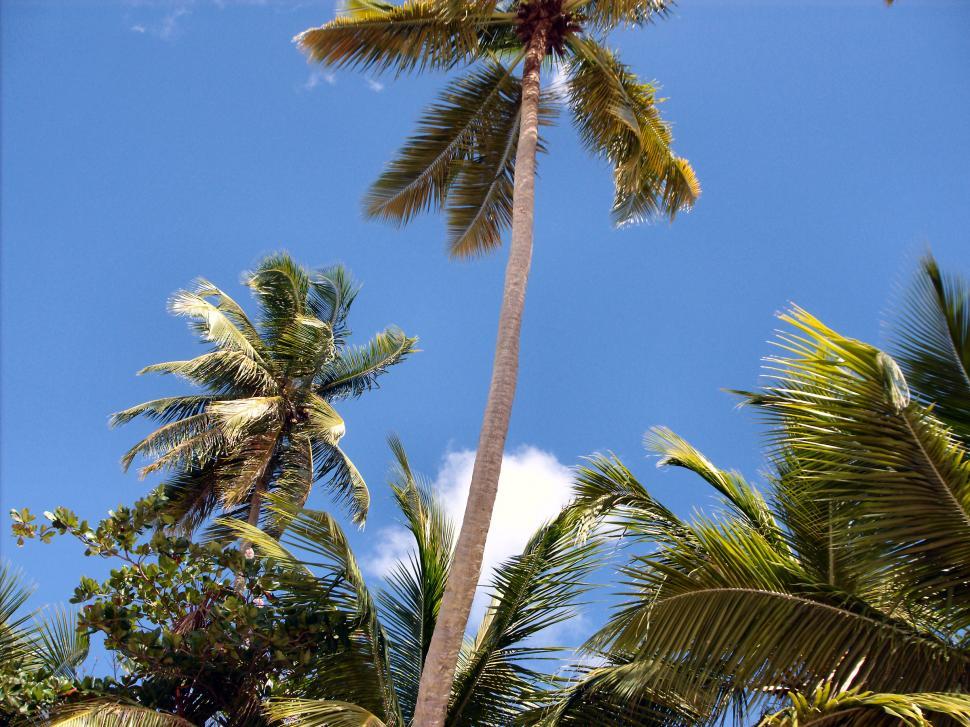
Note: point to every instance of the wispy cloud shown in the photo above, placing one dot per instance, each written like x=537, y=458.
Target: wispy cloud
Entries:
x=317, y=77
x=164, y=18
x=375, y=85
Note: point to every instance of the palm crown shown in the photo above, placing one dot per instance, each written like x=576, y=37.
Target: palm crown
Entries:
x=462, y=157
x=264, y=421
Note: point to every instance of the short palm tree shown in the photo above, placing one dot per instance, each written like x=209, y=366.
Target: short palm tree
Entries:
x=475, y=154
x=264, y=422
x=374, y=679
x=848, y=589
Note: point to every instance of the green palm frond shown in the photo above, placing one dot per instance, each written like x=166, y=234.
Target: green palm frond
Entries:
x=844, y=411
x=932, y=337
x=114, y=714
x=234, y=312
x=416, y=586
x=855, y=708
x=618, y=119
x=15, y=633
x=164, y=410
x=59, y=644
x=357, y=370
x=332, y=293
x=334, y=467
x=220, y=371
x=449, y=132
x=281, y=286
x=212, y=324
x=530, y=592
x=320, y=713
x=378, y=36
x=742, y=497
x=607, y=14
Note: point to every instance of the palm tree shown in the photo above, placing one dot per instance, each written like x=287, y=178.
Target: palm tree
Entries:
x=374, y=680
x=474, y=155
x=264, y=422
x=848, y=590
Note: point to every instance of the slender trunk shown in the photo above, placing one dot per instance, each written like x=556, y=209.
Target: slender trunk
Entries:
x=439, y=667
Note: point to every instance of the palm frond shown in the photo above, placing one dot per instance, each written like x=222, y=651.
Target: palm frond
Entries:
x=167, y=437
x=168, y=409
x=377, y=36
x=332, y=293
x=932, y=338
x=220, y=372
x=530, y=592
x=416, y=586
x=281, y=287
x=618, y=119
x=607, y=14
x=743, y=498
x=449, y=133
x=358, y=369
x=234, y=312
x=334, y=468
x=855, y=708
x=212, y=324
x=114, y=714
x=59, y=644
x=843, y=410
x=14, y=632
x=320, y=713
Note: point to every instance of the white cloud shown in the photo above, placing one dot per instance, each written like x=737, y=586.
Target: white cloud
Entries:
x=138, y=29
x=316, y=77
x=533, y=488
x=375, y=85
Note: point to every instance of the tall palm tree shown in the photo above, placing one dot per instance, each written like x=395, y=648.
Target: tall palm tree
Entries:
x=474, y=155
x=849, y=588
x=264, y=422
x=374, y=680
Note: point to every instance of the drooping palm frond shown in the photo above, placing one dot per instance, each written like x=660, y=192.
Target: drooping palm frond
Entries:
x=932, y=338
x=618, y=119
x=378, y=36
x=842, y=408
x=114, y=714
x=332, y=293
x=448, y=133
x=320, y=713
x=855, y=708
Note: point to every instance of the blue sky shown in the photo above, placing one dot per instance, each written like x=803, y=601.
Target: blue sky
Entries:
x=147, y=143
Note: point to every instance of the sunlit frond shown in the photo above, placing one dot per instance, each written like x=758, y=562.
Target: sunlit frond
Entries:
x=320, y=713
x=618, y=119
x=114, y=714
x=164, y=410
x=358, y=369
x=212, y=324
x=220, y=371
x=59, y=644
x=415, y=35
x=842, y=408
x=855, y=708
x=607, y=14
x=932, y=337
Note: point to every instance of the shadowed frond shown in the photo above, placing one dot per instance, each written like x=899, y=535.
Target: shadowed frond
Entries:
x=932, y=337
x=618, y=119
x=449, y=132
x=14, y=632
x=164, y=410
x=378, y=36
x=332, y=293
x=530, y=592
x=409, y=604
x=358, y=369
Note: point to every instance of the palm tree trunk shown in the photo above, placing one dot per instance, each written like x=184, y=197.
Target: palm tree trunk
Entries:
x=438, y=673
